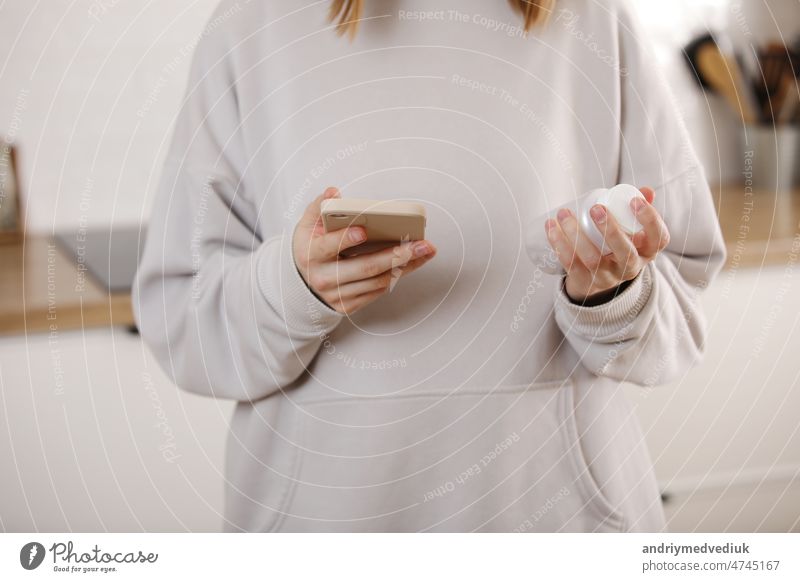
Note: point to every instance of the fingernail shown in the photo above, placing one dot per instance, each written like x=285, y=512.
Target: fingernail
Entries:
x=563, y=213
x=598, y=213
x=421, y=249
x=357, y=235
x=637, y=204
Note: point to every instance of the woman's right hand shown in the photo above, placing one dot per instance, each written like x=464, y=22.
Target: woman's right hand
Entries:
x=348, y=284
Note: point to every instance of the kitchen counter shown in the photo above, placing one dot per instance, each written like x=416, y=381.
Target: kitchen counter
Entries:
x=760, y=227
x=44, y=290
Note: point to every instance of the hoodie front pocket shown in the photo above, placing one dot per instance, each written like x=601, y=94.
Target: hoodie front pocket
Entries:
x=494, y=459
x=595, y=500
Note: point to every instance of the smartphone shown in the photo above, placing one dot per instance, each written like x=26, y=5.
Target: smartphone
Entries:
x=387, y=222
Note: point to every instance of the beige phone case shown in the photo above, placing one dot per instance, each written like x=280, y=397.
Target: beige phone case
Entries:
x=387, y=222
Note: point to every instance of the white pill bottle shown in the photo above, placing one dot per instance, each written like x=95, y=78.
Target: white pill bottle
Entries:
x=618, y=202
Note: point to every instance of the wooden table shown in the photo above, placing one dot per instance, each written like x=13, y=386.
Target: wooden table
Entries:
x=759, y=227
x=43, y=290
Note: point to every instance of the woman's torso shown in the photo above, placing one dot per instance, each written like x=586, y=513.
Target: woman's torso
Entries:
x=448, y=403
x=461, y=112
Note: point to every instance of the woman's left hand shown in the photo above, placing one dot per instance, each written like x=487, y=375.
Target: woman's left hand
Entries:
x=590, y=275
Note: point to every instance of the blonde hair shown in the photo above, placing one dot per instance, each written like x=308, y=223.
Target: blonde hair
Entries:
x=347, y=13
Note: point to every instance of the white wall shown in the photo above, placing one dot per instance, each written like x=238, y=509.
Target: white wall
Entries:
x=76, y=79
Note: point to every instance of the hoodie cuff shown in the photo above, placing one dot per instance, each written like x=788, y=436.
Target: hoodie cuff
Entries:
x=287, y=293
x=611, y=317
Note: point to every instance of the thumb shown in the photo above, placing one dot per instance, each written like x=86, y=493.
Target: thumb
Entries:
x=649, y=194
x=314, y=210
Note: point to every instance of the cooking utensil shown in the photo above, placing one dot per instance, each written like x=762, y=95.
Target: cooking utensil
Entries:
x=720, y=73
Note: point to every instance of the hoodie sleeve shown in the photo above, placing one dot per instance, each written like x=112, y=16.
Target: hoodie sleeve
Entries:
x=654, y=329
x=221, y=306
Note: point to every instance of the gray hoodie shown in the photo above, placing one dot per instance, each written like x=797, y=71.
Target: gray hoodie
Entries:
x=475, y=395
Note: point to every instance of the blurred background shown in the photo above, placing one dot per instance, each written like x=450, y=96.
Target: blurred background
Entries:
x=92, y=435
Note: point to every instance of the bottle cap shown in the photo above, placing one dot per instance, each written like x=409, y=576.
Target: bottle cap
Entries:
x=618, y=201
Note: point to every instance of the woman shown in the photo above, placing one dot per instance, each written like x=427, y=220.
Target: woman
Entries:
x=480, y=393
